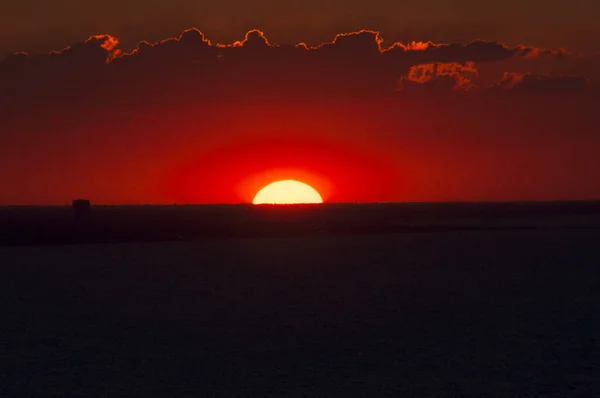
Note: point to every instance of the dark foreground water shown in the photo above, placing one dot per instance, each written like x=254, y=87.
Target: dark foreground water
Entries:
x=493, y=313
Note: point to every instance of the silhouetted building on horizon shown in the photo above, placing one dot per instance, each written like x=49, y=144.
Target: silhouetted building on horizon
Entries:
x=81, y=208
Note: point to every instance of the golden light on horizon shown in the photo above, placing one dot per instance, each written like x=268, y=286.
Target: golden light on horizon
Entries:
x=287, y=192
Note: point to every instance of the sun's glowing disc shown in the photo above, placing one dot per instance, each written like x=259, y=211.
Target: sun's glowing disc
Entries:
x=287, y=192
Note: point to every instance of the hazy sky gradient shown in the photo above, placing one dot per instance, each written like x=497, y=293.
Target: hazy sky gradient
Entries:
x=41, y=25
x=491, y=109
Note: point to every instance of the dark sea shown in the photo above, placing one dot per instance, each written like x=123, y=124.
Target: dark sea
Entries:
x=452, y=313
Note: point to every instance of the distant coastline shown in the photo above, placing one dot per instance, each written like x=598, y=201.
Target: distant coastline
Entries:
x=44, y=225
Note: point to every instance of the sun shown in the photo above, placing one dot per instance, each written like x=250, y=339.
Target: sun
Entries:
x=287, y=192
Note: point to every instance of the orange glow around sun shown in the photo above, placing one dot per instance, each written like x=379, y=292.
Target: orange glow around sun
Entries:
x=287, y=192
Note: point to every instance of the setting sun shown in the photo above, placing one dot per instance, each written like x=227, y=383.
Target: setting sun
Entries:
x=287, y=192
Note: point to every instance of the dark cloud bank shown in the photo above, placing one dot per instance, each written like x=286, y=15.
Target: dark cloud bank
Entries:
x=357, y=63
x=91, y=117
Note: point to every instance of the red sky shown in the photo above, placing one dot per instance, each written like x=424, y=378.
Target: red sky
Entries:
x=359, y=117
